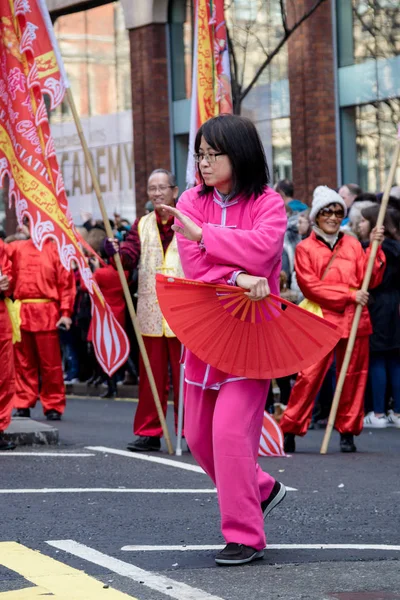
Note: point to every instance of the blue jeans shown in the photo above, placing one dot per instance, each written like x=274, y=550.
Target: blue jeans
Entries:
x=384, y=366
x=70, y=354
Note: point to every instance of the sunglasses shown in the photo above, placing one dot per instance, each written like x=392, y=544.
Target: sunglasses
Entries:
x=330, y=212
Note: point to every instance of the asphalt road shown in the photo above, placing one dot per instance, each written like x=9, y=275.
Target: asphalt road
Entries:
x=84, y=504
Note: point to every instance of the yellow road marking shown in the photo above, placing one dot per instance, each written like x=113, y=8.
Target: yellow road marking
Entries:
x=51, y=577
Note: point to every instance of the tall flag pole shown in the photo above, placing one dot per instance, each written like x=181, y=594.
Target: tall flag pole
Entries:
x=28, y=69
x=211, y=80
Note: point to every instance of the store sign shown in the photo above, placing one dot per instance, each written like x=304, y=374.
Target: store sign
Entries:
x=110, y=139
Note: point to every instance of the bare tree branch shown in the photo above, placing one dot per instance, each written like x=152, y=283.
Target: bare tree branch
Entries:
x=246, y=47
x=283, y=15
x=276, y=50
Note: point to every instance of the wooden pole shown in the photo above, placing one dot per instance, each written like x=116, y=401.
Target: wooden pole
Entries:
x=120, y=270
x=357, y=315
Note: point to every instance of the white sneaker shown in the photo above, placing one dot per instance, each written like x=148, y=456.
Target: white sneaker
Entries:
x=371, y=420
x=393, y=420
x=71, y=381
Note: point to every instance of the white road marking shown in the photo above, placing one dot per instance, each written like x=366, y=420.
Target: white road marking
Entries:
x=56, y=454
x=269, y=547
x=162, y=461
x=107, y=491
x=160, y=583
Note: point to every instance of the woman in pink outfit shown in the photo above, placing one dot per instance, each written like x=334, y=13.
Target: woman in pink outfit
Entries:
x=231, y=230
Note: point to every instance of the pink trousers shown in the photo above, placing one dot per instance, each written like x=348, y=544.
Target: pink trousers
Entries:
x=223, y=429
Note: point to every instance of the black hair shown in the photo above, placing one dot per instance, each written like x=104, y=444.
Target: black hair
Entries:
x=365, y=196
x=391, y=220
x=286, y=187
x=238, y=138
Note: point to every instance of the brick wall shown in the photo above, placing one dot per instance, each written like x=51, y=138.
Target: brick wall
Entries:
x=149, y=105
x=312, y=100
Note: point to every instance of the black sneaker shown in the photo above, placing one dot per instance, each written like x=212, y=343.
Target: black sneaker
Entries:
x=53, y=415
x=23, y=412
x=144, y=444
x=276, y=496
x=237, y=554
x=6, y=444
x=289, y=443
x=347, y=443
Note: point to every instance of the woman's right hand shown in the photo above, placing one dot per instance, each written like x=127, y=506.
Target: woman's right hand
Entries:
x=362, y=297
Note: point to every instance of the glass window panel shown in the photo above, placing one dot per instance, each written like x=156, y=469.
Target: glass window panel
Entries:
x=94, y=45
x=369, y=29
x=181, y=45
x=376, y=126
x=281, y=149
x=256, y=29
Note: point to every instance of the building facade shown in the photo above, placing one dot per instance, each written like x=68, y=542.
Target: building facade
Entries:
x=327, y=106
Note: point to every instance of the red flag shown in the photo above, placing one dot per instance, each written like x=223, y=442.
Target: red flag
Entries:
x=28, y=68
x=211, y=80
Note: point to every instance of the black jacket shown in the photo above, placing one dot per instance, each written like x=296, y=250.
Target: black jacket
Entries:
x=384, y=303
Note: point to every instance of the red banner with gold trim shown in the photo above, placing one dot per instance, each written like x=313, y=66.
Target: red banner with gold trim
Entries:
x=28, y=69
x=211, y=80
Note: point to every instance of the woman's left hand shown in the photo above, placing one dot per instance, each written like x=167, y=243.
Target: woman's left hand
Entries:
x=377, y=234
x=189, y=229
x=258, y=286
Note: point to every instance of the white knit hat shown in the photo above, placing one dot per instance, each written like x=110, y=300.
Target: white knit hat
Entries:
x=322, y=197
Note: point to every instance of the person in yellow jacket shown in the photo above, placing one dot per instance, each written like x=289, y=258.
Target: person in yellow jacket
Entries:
x=151, y=247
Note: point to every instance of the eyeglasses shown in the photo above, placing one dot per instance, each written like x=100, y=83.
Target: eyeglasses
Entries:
x=210, y=158
x=153, y=189
x=329, y=212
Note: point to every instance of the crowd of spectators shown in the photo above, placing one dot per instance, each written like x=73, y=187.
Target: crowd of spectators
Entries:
x=382, y=398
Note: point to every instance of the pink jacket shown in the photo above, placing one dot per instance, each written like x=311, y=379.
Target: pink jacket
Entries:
x=238, y=235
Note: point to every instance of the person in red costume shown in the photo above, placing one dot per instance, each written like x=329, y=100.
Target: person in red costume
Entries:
x=152, y=247
x=330, y=268
x=7, y=377
x=46, y=293
x=110, y=285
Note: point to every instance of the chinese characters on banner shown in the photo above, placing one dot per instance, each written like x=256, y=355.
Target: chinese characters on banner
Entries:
x=30, y=67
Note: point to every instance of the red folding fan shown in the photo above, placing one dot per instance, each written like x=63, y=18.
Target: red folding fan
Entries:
x=236, y=335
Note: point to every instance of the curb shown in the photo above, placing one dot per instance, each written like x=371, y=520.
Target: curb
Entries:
x=27, y=432
x=82, y=390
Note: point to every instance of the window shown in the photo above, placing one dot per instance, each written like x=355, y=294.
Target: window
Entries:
x=94, y=45
x=368, y=29
x=376, y=127
x=181, y=45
